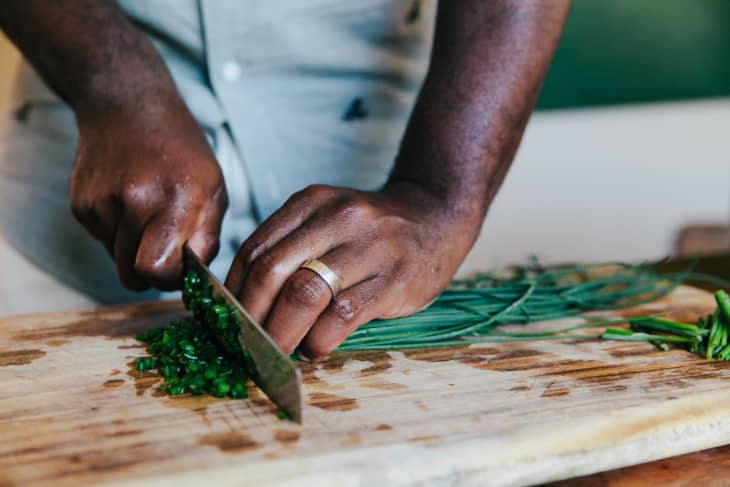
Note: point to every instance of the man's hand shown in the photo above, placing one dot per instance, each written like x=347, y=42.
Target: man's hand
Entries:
x=145, y=181
x=144, y=184
x=394, y=250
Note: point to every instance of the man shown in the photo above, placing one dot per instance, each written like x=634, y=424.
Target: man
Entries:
x=186, y=108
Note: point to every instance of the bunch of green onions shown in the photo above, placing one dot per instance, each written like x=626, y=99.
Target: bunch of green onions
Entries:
x=470, y=309
x=708, y=337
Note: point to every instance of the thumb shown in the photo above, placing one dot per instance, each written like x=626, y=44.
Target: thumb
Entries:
x=205, y=240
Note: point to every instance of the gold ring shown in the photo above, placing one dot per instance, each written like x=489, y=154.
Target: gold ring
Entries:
x=328, y=275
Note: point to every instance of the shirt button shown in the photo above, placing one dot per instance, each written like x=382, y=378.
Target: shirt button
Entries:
x=231, y=71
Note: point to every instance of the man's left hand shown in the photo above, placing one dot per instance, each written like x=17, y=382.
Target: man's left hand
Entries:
x=394, y=251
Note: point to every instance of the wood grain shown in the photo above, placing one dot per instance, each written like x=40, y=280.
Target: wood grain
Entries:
x=710, y=468
x=74, y=411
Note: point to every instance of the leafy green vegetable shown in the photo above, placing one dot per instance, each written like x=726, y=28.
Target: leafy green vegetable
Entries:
x=199, y=354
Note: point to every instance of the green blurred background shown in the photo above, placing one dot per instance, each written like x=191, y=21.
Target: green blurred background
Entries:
x=624, y=51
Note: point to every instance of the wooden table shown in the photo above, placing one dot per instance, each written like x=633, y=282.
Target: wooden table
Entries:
x=709, y=468
x=73, y=411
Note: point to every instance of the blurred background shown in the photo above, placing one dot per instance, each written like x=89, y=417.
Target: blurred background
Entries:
x=9, y=59
x=628, y=155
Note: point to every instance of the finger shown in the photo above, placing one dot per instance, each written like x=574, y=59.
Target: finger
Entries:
x=101, y=220
x=297, y=209
x=305, y=295
x=159, y=258
x=126, y=242
x=352, y=308
x=205, y=242
x=106, y=222
x=269, y=271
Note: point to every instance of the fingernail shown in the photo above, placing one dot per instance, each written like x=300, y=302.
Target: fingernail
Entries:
x=302, y=357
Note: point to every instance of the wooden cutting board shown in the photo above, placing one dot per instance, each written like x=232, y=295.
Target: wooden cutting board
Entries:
x=73, y=410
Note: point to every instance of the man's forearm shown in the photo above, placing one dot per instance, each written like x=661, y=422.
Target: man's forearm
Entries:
x=488, y=63
x=87, y=51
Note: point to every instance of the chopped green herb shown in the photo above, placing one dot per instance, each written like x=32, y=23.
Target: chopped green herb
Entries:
x=188, y=352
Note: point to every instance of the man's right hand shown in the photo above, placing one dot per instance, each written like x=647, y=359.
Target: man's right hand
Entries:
x=145, y=182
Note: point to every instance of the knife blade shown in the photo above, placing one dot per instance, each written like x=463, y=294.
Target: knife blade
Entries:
x=275, y=373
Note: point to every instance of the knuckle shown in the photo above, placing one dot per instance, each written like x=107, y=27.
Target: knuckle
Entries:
x=353, y=208
x=296, y=198
x=215, y=174
x=135, y=194
x=317, y=192
x=222, y=198
x=248, y=252
x=144, y=194
x=264, y=268
x=305, y=289
x=344, y=310
x=186, y=193
x=211, y=245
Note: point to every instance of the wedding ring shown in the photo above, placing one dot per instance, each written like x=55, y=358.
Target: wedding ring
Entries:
x=328, y=275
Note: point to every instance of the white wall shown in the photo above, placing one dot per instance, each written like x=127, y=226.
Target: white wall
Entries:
x=610, y=183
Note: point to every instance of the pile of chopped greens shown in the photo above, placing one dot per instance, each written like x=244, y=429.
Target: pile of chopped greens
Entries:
x=201, y=354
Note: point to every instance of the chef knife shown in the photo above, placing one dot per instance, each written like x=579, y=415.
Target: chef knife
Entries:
x=275, y=373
